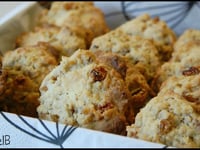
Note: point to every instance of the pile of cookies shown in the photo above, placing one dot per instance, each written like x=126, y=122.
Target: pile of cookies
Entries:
x=40, y=50
x=138, y=80
x=173, y=116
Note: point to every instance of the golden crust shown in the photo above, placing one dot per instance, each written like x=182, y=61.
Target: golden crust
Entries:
x=33, y=61
x=188, y=53
x=141, y=52
x=135, y=81
x=65, y=40
x=187, y=36
x=82, y=15
x=18, y=93
x=153, y=29
x=188, y=86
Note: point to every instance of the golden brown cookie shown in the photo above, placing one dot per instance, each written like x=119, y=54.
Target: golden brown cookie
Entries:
x=187, y=85
x=187, y=59
x=83, y=92
x=188, y=36
x=135, y=81
x=153, y=29
x=65, y=40
x=79, y=14
x=167, y=70
x=169, y=119
x=18, y=93
x=33, y=61
x=0, y=61
x=188, y=53
x=141, y=52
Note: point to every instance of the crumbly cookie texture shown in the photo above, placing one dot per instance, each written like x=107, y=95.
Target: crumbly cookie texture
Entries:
x=0, y=60
x=65, y=40
x=187, y=85
x=135, y=81
x=188, y=53
x=141, y=52
x=187, y=36
x=83, y=92
x=167, y=70
x=18, y=93
x=153, y=29
x=186, y=58
x=169, y=119
x=33, y=61
x=80, y=14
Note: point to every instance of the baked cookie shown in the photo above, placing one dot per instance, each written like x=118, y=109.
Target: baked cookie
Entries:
x=169, y=119
x=142, y=53
x=187, y=85
x=33, y=61
x=188, y=53
x=175, y=68
x=167, y=70
x=18, y=93
x=83, y=92
x=79, y=14
x=187, y=36
x=65, y=40
x=135, y=81
x=186, y=60
x=0, y=61
x=153, y=29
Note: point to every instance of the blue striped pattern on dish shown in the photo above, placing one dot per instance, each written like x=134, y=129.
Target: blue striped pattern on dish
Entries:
x=173, y=13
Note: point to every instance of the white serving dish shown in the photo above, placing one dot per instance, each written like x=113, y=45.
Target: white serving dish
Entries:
x=25, y=132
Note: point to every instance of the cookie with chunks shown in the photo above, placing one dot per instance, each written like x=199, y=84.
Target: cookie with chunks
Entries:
x=153, y=29
x=34, y=61
x=172, y=68
x=188, y=36
x=186, y=58
x=79, y=14
x=188, y=53
x=135, y=81
x=186, y=85
x=168, y=119
x=83, y=92
x=18, y=93
x=65, y=40
x=165, y=71
x=141, y=52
